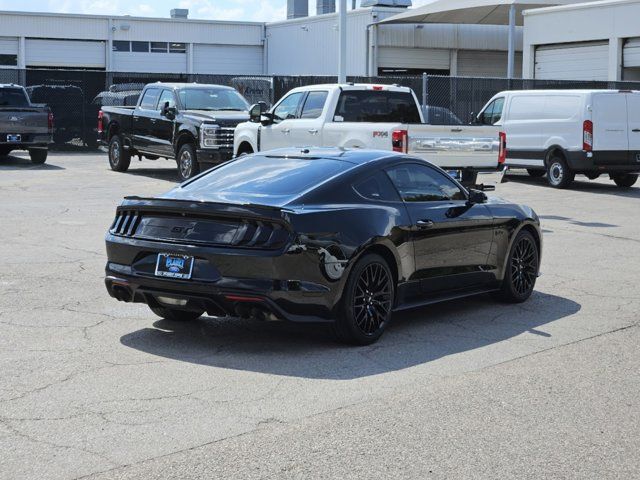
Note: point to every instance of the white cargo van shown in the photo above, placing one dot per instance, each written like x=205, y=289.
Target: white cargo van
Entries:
x=566, y=132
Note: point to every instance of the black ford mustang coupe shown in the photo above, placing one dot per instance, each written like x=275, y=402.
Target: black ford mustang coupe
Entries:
x=340, y=236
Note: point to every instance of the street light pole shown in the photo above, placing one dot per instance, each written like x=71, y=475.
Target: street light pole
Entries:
x=342, y=48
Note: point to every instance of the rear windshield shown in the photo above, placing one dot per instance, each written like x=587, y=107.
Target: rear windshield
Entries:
x=260, y=176
x=13, y=97
x=377, y=106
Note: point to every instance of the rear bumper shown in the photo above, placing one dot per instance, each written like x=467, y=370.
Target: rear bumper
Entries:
x=605, y=161
x=225, y=281
x=28, y=140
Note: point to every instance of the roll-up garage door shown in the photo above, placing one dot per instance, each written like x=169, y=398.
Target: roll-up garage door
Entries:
x=418, y=58
x=484, y=63
x=228, y=59
x=65, y=53
x=573, y=61
x=8, y=46
x=631, y=53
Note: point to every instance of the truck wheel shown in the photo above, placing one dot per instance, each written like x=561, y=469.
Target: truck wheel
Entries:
x=535, y=173
x=559, y=175
x=187, y=162
x=38, y=155
x=625, y=180
x=119, y=158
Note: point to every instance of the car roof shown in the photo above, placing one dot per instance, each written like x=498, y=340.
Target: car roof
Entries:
x=352, y=86
x=175, y=85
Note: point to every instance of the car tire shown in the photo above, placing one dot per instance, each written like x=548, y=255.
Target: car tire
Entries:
x=176, y=315
x=367, y=302
x=536, y=173
x=625, y=180
x=187, y=162
x=559, y=174
x=38, y=155
x=521, y=271
x=119, y=158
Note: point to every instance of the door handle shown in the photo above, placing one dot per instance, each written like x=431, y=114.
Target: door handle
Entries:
x=636, y=130
x=135, y=117
x=313, y=131
x=152, y=120
x=286, y=131
x=456, y=130
x=424, y=224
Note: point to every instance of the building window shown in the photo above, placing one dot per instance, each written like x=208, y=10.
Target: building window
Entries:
x=140, y=47
x=121, y=46
x=177, y=48
x=8, y=60
x=158, y=47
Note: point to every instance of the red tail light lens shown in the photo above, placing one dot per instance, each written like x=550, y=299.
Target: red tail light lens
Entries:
x=377, y=88
x=100, y=129
x=502, y=149
x=399, y=141
x=50, y=122
x=587, y=136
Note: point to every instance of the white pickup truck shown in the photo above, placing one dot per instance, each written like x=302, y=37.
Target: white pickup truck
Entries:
x=382, y=117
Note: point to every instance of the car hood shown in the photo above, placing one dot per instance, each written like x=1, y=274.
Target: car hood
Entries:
x=222, y=116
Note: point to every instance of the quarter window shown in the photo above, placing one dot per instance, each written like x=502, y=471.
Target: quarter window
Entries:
x=377, y=187
x=288, y=108
x=314, y=104
x=419, y=183
x=150, y=99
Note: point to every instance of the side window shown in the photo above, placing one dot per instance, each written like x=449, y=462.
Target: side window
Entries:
x=150, y=99
x=287, y=108
x=493, y=113
x=167, y=96
x=377, y=187
x=314, y=104
x=419, y=183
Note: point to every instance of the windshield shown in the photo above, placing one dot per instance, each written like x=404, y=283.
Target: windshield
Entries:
x=212, y=99
x=264, y=180
x=13, y=97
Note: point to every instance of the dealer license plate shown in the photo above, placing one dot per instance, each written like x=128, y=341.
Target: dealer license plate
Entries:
x=14, y=138
x=174, y=266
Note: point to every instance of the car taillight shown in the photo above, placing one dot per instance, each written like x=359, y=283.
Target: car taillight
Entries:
x=50, y=122
x=399, y=141
x=100, y=129
x=587, y=136
x=502, y=149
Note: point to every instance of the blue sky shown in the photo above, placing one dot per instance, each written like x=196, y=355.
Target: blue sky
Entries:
x=254, y=10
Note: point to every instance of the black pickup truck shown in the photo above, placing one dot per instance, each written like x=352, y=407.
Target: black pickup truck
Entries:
x=24, y=125
x=189, y=122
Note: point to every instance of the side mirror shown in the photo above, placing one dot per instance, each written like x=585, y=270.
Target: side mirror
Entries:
x=476, y=196
x=473, y=119
x=169, y=112
x=256, y=111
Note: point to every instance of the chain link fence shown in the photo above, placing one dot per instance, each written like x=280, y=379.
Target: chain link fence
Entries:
x=76, y=96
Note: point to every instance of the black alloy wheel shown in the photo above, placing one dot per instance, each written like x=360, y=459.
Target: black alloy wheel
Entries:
x=367, y=302
x=522, y=269
x=119, y=158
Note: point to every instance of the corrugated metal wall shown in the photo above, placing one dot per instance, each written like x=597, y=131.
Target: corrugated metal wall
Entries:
x=9, y=46
x=475, y=63
x=581, y=61
x=420, y=58
x=65, y=53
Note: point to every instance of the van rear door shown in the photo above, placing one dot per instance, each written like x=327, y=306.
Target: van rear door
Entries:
x=610, y=129
x=633, y=115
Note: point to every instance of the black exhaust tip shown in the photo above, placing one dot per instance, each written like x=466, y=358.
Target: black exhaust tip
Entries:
x=122, y=293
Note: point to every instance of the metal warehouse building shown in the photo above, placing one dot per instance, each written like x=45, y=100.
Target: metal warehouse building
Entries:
x=588, y=41
x=302, y=46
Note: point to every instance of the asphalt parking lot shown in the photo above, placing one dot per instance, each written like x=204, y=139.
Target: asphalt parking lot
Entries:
x=94, y=388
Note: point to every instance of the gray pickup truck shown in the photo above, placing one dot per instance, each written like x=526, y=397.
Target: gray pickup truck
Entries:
x=24, y=125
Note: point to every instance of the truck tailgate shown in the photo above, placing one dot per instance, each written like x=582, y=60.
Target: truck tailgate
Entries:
x=23, y=120
x=453, y=146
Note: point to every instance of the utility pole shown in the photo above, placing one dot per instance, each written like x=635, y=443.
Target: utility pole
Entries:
x=342, y=48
